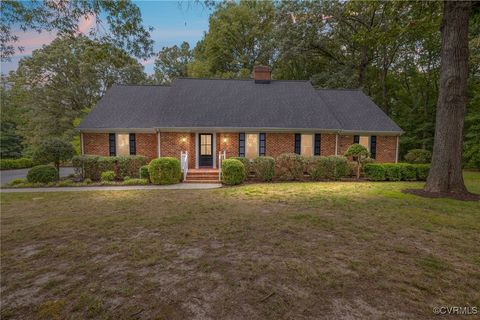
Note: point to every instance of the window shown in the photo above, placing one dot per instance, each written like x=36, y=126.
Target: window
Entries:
x=123, y=146
x=306, y=145
x=133, y=144
x=112, y=146
x=262, y=149
x=365, y=141
x=241, y=145
x=318, y=140
x=373, y=147
x=206, y=145
x=252, y=145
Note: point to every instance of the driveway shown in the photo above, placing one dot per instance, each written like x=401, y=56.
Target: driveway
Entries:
x=8, y=175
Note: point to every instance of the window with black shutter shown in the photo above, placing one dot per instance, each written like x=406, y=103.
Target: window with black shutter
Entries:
x=262, y=145
x=373, y=147
x=133, y=144
x=112, y=145
x=241, y=145
x=317, y=144
x=356, y=139
x=298, y=143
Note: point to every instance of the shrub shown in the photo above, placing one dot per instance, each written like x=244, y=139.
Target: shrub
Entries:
x=165, y=170
x=359, y=154
x=42, y=174
x=87, y=181
x=67, y=183
x=54, y=150
x=264, y=168
x=21, y=163
x=408, y=171
x=108, y=176
x=289, y=166
x=422, y=171
x=233, y=171
x=246, y=163
x=92, y=166
x=134, y=182
x=17, y=181
x=418, y=156
x=331, y=167
x=143, y=172
x=375, y=171
x=392, y=171
x=126, y=178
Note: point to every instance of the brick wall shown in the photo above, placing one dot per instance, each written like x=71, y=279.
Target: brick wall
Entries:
x=171, y=145
x=147, y=145
x=386, y=148
x=278, y=143
x=327, y=144
x=230, y=145
x=343, y=143
x=95, y=144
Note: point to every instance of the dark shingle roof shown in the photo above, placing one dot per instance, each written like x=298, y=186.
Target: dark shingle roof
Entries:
x=211, y=103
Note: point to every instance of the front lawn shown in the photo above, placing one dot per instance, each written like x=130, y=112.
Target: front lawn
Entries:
x=258, y=251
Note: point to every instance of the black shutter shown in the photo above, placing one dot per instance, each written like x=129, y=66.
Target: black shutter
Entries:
x=262, y=145
x=373, y=147
x=317, y=144
x=112, y=146
x=241, y=145
x=298, y=141
x=133, y=144
x=356, y=139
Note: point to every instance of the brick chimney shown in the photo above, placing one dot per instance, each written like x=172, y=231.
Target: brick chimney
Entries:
x=262, y=74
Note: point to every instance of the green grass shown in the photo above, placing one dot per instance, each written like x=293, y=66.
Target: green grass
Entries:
x=261, y=251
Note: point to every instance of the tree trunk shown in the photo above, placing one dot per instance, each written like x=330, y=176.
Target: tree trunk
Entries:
x=446, y=171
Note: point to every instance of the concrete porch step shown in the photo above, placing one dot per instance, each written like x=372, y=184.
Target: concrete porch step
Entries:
x=201, y=181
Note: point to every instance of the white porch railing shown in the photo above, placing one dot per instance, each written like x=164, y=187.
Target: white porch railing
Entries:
x=184, y=163
x=222, y=155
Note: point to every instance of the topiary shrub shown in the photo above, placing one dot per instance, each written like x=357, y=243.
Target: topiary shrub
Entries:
x=375, y=171
x=54, y=150
x=42, y=174
x=233, y=172
x=165, y=170
x=143, y=172
x=408, y=171
x=246, y=163
x=331, y=167
x=422, y=171
x=289, y=167
x=264, y=168
x=418, y=156
x=108, y=176
x=359, y=154
x=392, y=172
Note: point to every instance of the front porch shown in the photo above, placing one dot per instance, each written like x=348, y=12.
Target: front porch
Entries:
x=202, y=176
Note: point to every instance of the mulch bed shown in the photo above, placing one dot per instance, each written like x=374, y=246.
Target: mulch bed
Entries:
x=457, y=196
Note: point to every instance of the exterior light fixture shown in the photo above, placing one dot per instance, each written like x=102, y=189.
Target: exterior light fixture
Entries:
x=224, y=140
x=184, y=139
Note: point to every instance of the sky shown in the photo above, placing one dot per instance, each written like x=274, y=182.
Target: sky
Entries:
x=173, y=21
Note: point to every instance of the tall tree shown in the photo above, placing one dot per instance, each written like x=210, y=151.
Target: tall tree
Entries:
x=62, y=81
x=446, y=172
x=172, y=63
x=123, y=27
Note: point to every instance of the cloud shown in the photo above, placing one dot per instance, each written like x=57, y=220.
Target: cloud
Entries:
x=165, y=34
x=85, y=24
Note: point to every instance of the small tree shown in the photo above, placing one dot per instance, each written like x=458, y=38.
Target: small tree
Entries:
x=359, y=154
x=54, y=150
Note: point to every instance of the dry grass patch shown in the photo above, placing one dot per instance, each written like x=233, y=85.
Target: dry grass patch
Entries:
x=262, y=251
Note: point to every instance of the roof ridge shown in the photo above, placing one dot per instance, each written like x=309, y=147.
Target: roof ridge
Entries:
x=204, y=78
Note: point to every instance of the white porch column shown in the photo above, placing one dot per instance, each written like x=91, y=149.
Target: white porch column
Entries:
x=336, y=144
x=82, y=148
x=158, y=144
x=196, y=150
x=396, y=150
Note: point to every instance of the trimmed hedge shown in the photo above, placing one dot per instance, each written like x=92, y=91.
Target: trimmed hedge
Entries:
x=20, y=163
x=108, y=176
x=289, y=166
x=264, y=168
x=143, y=172
x=331, y=167
x=246, y=163
x=165, y=170
x=42, y=174
x=396, y=171
x=91, y=167
x=233, y=171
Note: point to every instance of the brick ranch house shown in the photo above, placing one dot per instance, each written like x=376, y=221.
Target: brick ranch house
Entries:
x=248, y=118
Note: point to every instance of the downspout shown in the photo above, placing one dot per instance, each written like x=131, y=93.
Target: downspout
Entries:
x=396, y=151
x=158, y=143
x=82, y=148
x=336, y=144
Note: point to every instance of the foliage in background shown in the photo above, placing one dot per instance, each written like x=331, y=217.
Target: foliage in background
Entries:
x=418, y=156
x=172, y=63
x=6, y=164
x=54, y=150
